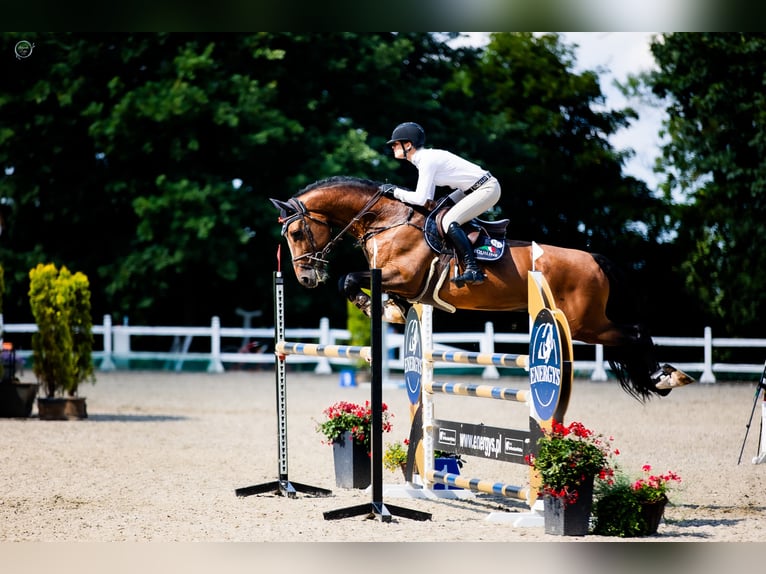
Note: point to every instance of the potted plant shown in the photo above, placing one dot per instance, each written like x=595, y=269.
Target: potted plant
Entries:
x=16, y=398
x=347, y=428
x=568, y=460
x=63, y=343
x=628, y=508
x=395, y=456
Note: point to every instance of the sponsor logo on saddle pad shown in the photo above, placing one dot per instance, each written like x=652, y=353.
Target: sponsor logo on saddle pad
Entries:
x=413, y=356
x=545, y=365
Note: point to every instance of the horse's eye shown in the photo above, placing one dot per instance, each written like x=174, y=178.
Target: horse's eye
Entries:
x=297, y=234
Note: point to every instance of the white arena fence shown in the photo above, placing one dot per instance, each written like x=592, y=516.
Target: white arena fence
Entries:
x=227, y=348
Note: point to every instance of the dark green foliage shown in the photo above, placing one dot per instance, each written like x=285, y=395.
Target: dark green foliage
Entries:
x=616, y=509
x=146, y=160
x=714, y=167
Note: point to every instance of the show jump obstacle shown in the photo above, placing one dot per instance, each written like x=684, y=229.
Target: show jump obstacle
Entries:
x=550, y=374
x=373, y=353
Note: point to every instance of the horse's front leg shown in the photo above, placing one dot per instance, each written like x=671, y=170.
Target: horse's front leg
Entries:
x=351, y=287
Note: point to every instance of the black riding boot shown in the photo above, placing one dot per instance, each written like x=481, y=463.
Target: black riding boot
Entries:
x=472, y=274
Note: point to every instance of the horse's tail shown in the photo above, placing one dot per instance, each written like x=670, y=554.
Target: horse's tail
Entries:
x=633, y=361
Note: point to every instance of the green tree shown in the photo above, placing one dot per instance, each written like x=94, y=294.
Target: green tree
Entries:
x=146, y=160
x=714, y=168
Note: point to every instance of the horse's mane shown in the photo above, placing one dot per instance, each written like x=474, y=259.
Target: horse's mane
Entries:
x=339, y=180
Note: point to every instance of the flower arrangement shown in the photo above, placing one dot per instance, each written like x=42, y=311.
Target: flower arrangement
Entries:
x=622, y=506
x=357, y=419
x=395, y=455
x=568, y=457
x=654, y=487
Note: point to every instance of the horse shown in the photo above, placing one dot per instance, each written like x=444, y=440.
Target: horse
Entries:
x=394, y=237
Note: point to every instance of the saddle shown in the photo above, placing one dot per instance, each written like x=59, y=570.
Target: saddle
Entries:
x=486, y=237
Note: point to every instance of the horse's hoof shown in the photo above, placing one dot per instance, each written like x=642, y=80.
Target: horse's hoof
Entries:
x=668, y=377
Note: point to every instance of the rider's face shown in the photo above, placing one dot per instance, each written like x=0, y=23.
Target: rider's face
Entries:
x=400, y=149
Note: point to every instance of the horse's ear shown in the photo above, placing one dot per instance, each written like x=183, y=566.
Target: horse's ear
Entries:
x=285, y=209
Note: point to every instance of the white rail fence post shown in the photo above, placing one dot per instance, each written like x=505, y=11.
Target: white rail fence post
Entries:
x=599, y=373
x=107, y=364
x=487, y=345
x=323, y=364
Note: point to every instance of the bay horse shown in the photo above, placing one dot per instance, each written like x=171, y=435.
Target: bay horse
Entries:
x=586, y=287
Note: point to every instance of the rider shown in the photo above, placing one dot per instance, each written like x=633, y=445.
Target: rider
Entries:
x=476, y=190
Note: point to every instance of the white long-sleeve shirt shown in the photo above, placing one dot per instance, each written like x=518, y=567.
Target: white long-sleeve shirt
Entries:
x=437, y=167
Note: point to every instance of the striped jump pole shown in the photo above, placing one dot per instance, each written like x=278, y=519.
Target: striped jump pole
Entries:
x=470, y=358
x=474, y=390
x=315, y=350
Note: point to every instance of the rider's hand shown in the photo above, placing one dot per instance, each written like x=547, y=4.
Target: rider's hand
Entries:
x=388, y=189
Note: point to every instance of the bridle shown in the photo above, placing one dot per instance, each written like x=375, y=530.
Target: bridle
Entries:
x=315, y=255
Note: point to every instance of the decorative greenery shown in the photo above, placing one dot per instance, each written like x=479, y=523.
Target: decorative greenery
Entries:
x=358, y=324
x=62, y=346
x=619, y=502
x=616, y=509
x=356, y=419
x=395, y=455
x=568, y=456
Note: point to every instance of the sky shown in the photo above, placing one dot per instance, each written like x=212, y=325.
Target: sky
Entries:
x=616, y=55
x=620, y=54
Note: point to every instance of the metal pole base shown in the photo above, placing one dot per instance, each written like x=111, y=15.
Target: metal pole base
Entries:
x=282, y=488
x=377, y=510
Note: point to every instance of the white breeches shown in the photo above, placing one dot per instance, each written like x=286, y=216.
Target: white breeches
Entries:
x=472, y=205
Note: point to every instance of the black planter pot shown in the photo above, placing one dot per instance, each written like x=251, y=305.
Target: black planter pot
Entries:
x=651, y=514
x=571, y=519
x=352, y=463
x=17, y=399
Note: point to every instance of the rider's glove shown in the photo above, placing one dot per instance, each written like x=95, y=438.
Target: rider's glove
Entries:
x=387, y=189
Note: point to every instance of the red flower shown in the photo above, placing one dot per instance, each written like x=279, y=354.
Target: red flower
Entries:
x=344, y=416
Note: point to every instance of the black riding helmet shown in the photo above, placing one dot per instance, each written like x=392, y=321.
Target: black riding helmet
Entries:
x=408, y=131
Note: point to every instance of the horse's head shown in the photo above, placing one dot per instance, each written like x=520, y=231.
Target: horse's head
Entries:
x=348, y=205
x=307, y=235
